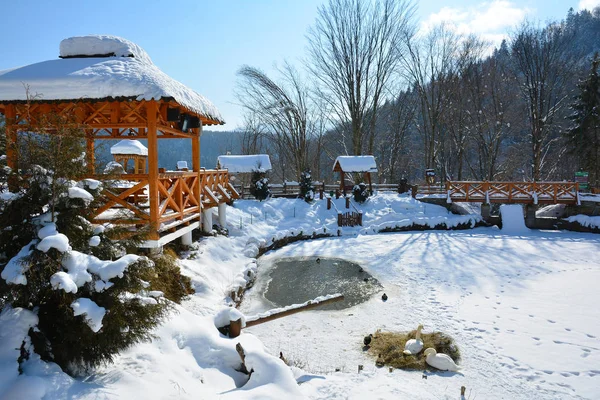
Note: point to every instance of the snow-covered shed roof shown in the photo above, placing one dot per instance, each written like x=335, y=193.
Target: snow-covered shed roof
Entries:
x=242, y=164
x=100, y=67
x=127, y=146
x=355, y=164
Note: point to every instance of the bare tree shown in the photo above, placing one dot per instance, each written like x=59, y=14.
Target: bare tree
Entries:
x=541, y=68
x=430, y=66
x=353, y=53
x=281, y=111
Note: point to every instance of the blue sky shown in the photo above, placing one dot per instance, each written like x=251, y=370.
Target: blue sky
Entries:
x=203, y=43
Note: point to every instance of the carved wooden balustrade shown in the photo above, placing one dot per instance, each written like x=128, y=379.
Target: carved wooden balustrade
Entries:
x=514, y=192
x=181, y=198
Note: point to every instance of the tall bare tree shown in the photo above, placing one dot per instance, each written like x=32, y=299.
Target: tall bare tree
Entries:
x=353, y=53
x=541, y=67
x=431, y=65
x=281, y=111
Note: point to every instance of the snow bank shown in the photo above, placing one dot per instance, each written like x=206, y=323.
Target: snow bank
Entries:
x=585, y=220
x=92, y=312
x=245, y=164
x=14, y=325
x=356, y=163
x=128, y=146
x=513, y=221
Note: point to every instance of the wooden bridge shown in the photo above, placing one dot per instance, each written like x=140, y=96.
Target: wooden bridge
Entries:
x=514, y=192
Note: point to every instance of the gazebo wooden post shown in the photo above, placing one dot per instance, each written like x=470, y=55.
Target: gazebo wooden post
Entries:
x=342, y=181
x=196, y=165
x=11, y=142
x=151, y=116
x=196, y=150
x=370, y=184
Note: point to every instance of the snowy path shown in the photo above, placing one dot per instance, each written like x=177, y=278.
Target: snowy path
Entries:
x=523, y=310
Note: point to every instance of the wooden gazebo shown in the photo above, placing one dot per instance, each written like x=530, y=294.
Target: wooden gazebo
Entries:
x=131, y=150
x=355, y=164
x=112, y=90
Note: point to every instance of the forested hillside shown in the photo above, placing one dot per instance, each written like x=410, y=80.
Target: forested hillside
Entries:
x=433, y=99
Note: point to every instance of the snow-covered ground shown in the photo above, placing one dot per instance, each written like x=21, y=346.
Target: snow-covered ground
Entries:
x=521, y=307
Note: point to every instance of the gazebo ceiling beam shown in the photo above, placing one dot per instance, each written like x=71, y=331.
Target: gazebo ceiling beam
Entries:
x=104, y=116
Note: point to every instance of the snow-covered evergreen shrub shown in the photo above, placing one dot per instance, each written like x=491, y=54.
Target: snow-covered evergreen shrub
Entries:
x=260, y=186
x=91, y=297
x=360, y=192
x=88, y=309
x=307, y=190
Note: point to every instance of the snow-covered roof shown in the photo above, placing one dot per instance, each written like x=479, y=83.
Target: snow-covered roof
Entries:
x=99, y=67
x=128, y=146
x=242, y=164
x=356, y=163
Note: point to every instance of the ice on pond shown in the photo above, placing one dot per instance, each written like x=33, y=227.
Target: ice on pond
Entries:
x=296, y=280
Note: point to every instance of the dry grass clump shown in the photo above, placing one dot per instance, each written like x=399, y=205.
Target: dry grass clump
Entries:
x=391, y=347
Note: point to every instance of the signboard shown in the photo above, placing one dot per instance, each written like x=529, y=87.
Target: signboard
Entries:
x=430, y=176
x=582, y=177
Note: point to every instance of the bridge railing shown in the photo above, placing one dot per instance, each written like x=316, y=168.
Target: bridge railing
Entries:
x=513, y=192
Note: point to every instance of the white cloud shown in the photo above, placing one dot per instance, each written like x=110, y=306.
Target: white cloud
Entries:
x=588, y=4
x=490, y=20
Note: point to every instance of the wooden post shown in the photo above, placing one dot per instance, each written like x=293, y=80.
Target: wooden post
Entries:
x=235, y=328
x=370, y=184
x=196, y=150
x=342, y=184
x=329, y=203
x=12, y=153
x=347, y=202
x=151, y=115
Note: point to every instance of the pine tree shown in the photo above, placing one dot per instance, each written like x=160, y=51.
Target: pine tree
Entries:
x=584, y=136
x=307, y=190
x=260, y=186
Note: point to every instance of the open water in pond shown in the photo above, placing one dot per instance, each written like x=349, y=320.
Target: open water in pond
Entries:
x=296, y=280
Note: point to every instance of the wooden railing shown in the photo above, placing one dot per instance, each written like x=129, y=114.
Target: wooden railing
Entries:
x=181, y=197
x=514, y=192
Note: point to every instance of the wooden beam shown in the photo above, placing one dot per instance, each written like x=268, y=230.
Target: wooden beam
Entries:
x=151, y=116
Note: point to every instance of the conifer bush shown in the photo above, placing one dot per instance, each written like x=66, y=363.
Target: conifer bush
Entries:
x=307, y=190
x=92, y=298
x=260, y=186
x=360, y=192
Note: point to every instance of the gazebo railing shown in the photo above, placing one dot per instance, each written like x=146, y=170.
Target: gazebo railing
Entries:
x=181, y=197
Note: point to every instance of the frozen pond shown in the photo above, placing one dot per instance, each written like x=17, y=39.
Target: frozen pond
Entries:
x=286, y=281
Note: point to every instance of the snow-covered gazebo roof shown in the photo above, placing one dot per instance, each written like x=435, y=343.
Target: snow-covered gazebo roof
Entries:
x=355, y=164
x=100, y=67
x=245, y=164
x=129, y=147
